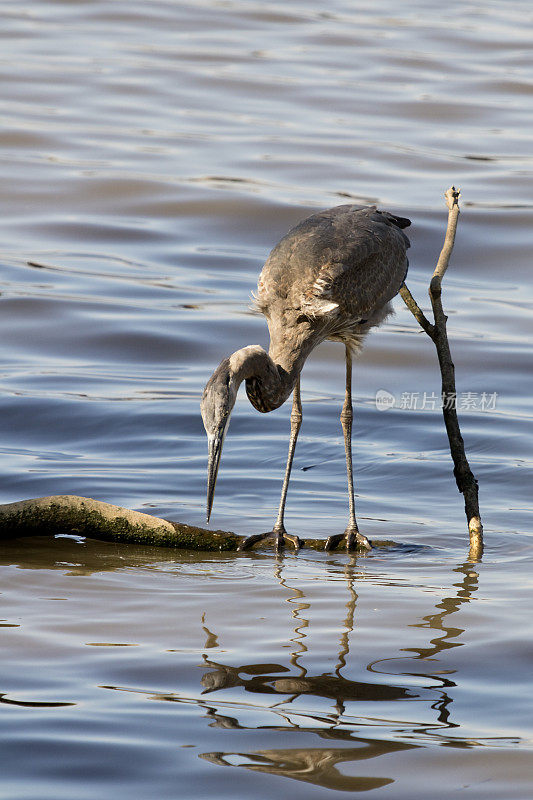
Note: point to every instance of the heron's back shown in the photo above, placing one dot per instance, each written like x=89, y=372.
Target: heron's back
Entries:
x=346, y=262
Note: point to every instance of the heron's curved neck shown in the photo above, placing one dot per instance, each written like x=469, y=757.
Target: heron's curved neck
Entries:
x=270, y=377
x=267, y=387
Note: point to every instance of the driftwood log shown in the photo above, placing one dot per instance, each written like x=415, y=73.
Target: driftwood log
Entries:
x=70, y=514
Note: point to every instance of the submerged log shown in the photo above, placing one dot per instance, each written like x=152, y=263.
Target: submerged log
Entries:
x=66, y=513
x=83, y=516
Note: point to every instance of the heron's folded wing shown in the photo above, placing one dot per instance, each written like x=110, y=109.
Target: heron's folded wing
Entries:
x=369, y=276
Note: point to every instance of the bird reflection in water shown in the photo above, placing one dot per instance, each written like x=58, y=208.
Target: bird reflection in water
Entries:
x=346, y=750
x=259, y=678
x=321, y=765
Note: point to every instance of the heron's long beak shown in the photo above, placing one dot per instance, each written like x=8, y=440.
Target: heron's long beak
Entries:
x=214, y=445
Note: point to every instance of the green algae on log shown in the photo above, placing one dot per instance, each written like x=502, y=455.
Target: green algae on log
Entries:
x=84, y=516
x=68, y=513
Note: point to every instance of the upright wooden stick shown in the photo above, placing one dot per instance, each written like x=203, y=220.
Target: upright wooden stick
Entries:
x=466, y=482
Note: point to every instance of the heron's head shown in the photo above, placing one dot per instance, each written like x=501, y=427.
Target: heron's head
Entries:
x=217, y=404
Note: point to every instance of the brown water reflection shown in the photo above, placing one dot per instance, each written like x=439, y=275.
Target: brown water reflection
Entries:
x=318, y=766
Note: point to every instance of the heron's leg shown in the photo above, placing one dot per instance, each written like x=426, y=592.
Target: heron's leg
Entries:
x=347, y=422
x=296, y=423
x=354, y=539
x=278, y=532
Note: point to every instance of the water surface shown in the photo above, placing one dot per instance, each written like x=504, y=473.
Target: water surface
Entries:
x=151, y=156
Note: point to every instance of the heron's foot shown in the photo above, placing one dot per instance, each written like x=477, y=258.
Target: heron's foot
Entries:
x=279, y=536
x=352, y=538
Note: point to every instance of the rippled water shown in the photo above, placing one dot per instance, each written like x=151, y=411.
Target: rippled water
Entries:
x=151, y=155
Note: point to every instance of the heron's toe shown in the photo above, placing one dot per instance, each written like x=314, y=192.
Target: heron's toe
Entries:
x=294, y=540
x=334, y=541
x=249, y=542
x=279, y=537
x=352, y=538
x=356, y=541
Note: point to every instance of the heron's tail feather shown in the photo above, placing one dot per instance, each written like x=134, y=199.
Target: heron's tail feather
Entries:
x=400, y=222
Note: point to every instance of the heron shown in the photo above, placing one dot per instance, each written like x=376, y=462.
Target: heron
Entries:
x=331, y=277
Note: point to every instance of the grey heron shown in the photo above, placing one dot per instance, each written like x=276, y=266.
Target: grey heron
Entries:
x=332, y=277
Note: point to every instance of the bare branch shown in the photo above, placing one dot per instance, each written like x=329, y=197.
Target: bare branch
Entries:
x=452, y=196
x=466, y=482
x=415, y=310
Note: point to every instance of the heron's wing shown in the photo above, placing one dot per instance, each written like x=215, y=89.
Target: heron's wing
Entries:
x=346, y=259
x=369, y=273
